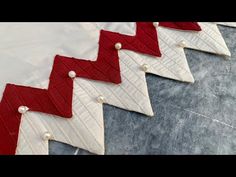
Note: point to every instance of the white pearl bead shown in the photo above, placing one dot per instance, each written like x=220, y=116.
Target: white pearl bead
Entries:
x=156, y=24
x=118, y=46
x=47, y=136
x=23, y=109
x=100, y=99
x=145, y=67
x=182, y=44
x=72, y=74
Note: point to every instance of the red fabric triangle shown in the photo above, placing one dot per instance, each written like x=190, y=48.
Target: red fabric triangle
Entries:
x=192, y=26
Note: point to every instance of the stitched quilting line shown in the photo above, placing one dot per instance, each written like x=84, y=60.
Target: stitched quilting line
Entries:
x=135, y=26
x=6, y=127
x=124, y=37
x=28, y=142
x=38, y=101
x=210, y=36
x=62, y=131
x=216, y=34
x=64, y=134
x=93, y=74
x=138, y=90
x=167, y=66
x=174, y=50
x=84, y=142
x=100, y=93
x=29, y=121
x=159, y=62
x=33, y=128
x=90, y=132
x=88, y=110
x=124, y=50
x=3, y=122
x=150, y=37
x=113, y=94
x=163, y=66
x=181, y=26
x=138, y=76
x=51, y=130
x=126, y=94
x=199, y=36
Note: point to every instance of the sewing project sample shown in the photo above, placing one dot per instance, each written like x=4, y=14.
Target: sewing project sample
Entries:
x=55, y=77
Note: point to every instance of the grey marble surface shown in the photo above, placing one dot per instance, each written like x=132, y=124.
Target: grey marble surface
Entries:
x=197, y=118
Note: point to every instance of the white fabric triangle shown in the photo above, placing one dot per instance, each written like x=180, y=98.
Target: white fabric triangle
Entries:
x=207, y=40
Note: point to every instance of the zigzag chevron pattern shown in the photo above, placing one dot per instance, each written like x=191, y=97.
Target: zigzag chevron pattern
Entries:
x=66, y=67
x=57, y=99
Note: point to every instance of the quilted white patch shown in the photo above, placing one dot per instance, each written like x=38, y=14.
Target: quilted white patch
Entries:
x=84, y=130
x=207, y=40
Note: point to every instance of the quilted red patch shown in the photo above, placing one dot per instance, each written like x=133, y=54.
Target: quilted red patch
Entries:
x=193, y=26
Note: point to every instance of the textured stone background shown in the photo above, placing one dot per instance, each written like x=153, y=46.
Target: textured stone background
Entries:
x=197, y=118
